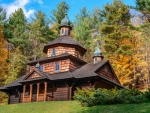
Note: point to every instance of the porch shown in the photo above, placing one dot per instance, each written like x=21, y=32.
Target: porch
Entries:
x=36, y=93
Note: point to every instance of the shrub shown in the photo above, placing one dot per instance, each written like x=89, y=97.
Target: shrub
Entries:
x=93, y=97
x=147, y=94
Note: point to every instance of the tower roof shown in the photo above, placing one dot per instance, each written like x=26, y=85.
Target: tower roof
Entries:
x=65, y=22
x=67, y=40
x=97, y=52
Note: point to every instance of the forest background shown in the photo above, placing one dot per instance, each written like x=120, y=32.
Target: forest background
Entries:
x=123, y=38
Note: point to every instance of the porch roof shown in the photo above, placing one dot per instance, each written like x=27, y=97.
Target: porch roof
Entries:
x=87, y=70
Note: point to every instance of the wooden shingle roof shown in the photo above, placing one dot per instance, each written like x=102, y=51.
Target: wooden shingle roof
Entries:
x=87, y=70
x=64, y=55
x=64, y=40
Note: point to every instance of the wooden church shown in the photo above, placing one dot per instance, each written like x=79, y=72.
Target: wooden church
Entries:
x=56, y=77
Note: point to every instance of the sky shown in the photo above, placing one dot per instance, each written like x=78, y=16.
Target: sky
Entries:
x=46, y=6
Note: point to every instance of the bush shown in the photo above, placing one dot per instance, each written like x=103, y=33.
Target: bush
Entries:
x=147, y=94
x=93, y=97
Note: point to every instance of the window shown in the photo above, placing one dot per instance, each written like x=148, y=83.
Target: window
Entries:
x=62, y=31
x=41, y=68
x=57, y=66
x=95, y=59
x=53, y=52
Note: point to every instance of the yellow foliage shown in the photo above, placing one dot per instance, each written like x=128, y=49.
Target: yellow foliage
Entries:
x=3, y=56
x=131, y=69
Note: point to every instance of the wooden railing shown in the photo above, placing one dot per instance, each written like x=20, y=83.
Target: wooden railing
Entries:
x=41, y=97
x=26, y=99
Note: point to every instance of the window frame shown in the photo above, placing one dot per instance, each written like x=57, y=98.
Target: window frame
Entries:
x=54, y=52
x=57, y=67
x=41, y=68
x=62, y=31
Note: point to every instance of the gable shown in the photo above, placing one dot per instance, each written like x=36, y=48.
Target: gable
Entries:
x=107, y=72
x=32, y=75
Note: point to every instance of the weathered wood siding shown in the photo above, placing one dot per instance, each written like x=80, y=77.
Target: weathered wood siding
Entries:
x=107, y=73
x=32, y=68
x=64, y=49
x=65, y=65
x=61, y=93
x=74, y=65
x=34, y=75
x=14, y=97
x=50, y=67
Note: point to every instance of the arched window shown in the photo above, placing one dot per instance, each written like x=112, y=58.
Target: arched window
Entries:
x=57, y=66
x=62, y=31
x=54, y=52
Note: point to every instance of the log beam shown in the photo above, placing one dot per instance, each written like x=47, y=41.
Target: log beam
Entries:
x=37, y=96
x=30, y=92
x=45, y=90
x=24, y=89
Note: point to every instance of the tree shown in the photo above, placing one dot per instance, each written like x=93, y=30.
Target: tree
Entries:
x=39, y=34
x=15, y=30
x=86, y=30
x=2, y=16
x=144, y=7
x=3, y=54
x=57, y=16
x=122, y=44
x=17, y=62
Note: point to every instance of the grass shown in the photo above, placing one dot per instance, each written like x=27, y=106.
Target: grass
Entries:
x=73, y=107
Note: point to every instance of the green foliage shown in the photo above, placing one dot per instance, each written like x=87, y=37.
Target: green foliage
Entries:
x=105, y=96
x=57, y=15
x=85, y=30
x=144, y=7
x=16, y=65
x=115, y=28
x=15, y=30
x=147, y=94
x=39, y=35
x=2, y=16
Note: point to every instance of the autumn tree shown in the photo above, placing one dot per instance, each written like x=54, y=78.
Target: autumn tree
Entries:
x=3, y=54
x=121, y=44
x=143, y=7
x=16, y=62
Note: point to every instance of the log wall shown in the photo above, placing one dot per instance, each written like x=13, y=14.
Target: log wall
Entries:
x=74, y=65
x=107, y=73
x=14, y=97
x=61, y=93
x=50, y=67
x=63, y=49
x=34, y=75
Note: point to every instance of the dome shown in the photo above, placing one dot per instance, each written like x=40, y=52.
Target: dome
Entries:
x=97, y=52
x=65, y=22
x=37, y=65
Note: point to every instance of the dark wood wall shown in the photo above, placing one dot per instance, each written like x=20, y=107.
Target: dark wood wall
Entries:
x=106, y=72
x=14, y=97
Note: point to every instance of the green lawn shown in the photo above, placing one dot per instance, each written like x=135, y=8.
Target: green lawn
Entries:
x=73, y=107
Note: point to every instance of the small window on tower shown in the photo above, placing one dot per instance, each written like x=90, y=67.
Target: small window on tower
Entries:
x=95, y=59
x=62, y=31
x=57, y=67
x=54, y=52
